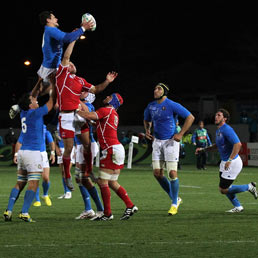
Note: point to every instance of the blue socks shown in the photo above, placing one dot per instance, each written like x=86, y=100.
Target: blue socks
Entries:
x=85, y=197
x=165, y=184
x=233, y=199
x=66, y=189
x=37, y=195
x=233, y=189
x=14, y=195
x=45, y=186
x=95, y=196
x=28, y=198
x=171, y=188
x=174, y=190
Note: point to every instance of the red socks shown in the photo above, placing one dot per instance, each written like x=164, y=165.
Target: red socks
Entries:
x=66, y=163
x=106, y=196
x=121, y=192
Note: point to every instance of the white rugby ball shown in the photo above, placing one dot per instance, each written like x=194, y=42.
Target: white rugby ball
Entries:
x=89, y=17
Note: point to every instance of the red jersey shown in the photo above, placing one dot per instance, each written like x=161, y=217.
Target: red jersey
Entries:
x=107, y=124
x=69, y=88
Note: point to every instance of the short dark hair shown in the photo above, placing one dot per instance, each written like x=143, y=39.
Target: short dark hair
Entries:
x=43, y=16
x=225, y=113
x=25, y=101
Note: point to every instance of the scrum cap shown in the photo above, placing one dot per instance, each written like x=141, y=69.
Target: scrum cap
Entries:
x=116, y=100
x=164, y=87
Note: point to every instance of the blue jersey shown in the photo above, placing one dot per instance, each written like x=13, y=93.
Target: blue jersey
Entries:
x=32, y=127
x=225, y=140
x=164, y=116
x=47, y=137
x=52, y=45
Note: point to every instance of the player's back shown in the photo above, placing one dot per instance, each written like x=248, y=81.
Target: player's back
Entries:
x=107, y=124
x=32, y=128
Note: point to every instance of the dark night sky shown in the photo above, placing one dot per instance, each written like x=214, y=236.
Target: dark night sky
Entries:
x=197, y=48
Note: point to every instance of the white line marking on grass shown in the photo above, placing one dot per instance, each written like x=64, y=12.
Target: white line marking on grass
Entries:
x=137, y=243
x=190, y=186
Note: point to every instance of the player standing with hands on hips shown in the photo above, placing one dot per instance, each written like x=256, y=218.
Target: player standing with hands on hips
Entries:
x=229, y=145
x=162, y=115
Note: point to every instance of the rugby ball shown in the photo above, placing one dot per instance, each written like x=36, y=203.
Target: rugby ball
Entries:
x=88, y=17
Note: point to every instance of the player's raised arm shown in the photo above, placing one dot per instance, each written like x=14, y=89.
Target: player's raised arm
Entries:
x=111, y=76
x=67, y=54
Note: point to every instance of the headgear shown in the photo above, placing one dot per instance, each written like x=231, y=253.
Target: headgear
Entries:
x=116, y=100
x=90, y=98
x=165, y=89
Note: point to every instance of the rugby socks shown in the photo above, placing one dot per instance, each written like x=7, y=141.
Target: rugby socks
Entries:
x=174, y=190
x=28, y=198
x=45, y=186
x=233, y=199
x=66, y=189
x=121, y=192
x=37, y=195
x=106, y=196
x=95, y=196
x=66, y=163
x=234, y=189
x=165, y=184
x=85, y=197
x=14, y=195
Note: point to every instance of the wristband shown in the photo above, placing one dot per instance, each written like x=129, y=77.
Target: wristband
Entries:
x=229, y=160
x=83, y=28
x=15, y=154
x=52, y=152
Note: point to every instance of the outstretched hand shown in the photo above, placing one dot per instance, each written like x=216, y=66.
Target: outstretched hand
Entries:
x=111, y=76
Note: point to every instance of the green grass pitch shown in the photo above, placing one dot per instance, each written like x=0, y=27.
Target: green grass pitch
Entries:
x=200, y=229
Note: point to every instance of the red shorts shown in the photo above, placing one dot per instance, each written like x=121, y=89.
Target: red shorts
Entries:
x=113, y=157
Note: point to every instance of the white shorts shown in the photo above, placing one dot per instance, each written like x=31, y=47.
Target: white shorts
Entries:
x=79, y=157
x=60, y=158
x=78, y=122
x=94, y=149
x=166, y=150
x=31, y=161
x=45, y=161
x=44, y=72
x=233, y=170
x=66, y=121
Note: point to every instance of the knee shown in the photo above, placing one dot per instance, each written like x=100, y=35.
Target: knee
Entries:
x=158, y=173
x=223, y=191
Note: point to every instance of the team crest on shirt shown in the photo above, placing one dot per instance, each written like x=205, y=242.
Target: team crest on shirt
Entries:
x=163, y=108
x=39, y=166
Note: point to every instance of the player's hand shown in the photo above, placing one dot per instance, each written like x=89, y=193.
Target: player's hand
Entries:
x=52, y=158
x=111, y=76
x=227, y=165
x=177, y=137
x=87, y=25
x=15, y=161
x=149, y=136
